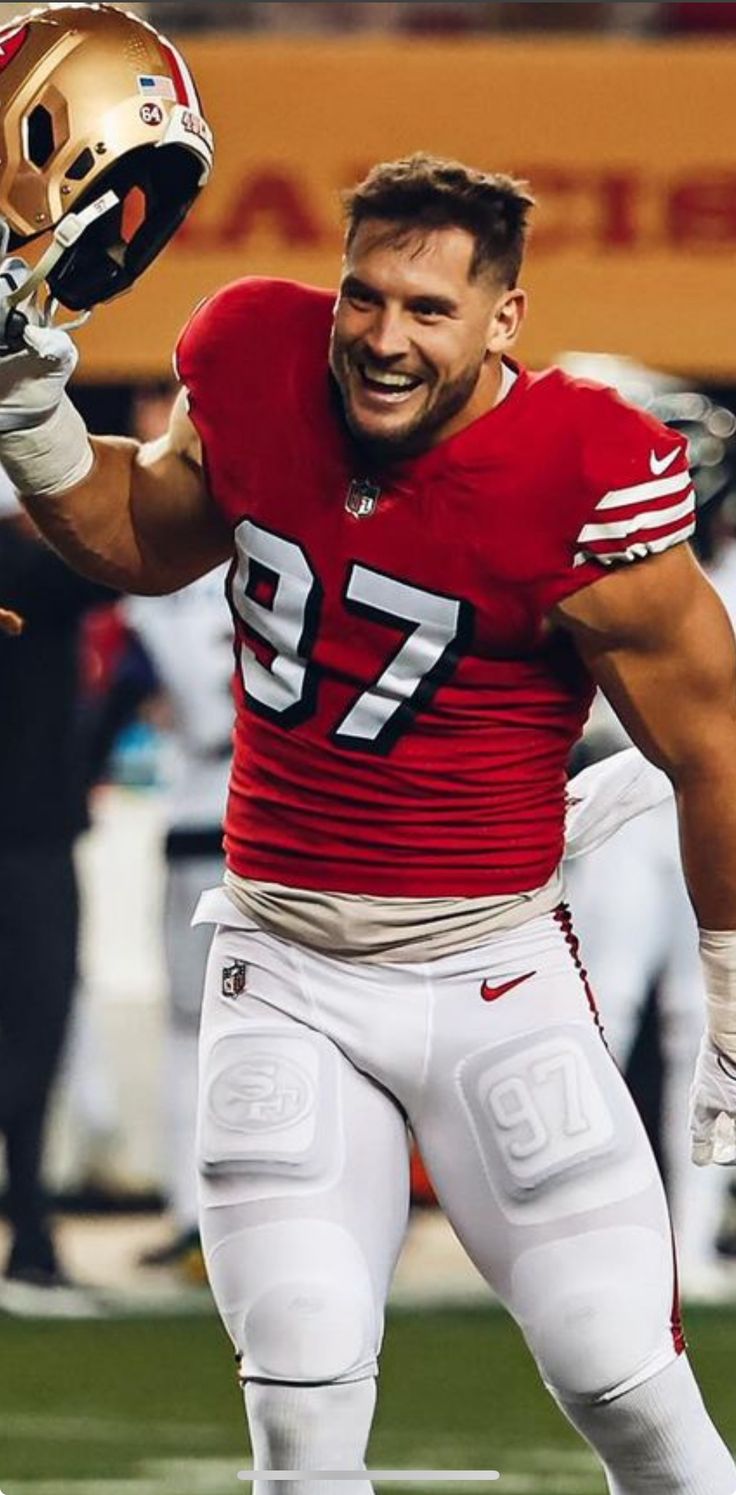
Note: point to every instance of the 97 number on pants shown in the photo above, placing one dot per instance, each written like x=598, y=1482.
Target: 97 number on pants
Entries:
x=539, y=1111
x=512, y=1102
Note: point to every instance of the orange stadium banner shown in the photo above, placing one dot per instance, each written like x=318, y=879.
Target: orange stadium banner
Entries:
x=629, y=146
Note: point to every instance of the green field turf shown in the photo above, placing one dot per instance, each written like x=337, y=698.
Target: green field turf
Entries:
x=150, y=1407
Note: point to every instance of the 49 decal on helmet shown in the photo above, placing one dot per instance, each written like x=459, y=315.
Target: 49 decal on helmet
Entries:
x=102, y=144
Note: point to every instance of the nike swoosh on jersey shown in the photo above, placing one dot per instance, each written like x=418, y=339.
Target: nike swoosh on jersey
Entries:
x=491, y=993
x=658, y=465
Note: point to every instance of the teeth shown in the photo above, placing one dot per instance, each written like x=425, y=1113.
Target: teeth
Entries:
x=390, y=381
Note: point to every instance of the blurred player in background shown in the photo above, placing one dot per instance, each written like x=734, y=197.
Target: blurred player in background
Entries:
x=436, y=555
x=43, y=810
x=188, y=640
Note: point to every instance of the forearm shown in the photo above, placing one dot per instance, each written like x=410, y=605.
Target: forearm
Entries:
x=706, y=802
x=138, y=526
x=90, y=524
x=78, y=493
x=707, y=814
x=707, y=810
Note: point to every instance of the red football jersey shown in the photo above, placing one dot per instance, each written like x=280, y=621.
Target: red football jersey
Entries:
x=404, y=714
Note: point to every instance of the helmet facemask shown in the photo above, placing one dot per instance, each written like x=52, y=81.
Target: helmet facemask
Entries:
x=154, y=189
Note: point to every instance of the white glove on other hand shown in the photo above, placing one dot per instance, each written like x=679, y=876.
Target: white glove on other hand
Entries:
x=713, y=1107
x=33, y=381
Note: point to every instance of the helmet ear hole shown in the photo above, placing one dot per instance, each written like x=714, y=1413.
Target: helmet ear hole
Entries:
x=45, y=129
x=81, y=167
x=40, y=144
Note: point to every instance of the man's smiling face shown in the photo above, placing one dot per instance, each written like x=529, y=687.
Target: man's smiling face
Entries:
x=409, y=347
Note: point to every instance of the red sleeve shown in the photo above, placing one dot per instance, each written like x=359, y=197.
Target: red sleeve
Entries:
x=210, y=328
x=635, y=471
x=186, y=343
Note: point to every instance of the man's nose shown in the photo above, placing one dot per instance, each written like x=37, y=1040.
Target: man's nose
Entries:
x=387, y=335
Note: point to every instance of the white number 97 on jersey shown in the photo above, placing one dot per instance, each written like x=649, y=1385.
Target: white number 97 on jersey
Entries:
x=436, y=631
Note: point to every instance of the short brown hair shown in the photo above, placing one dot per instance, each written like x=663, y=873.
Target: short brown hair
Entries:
x=424, y=191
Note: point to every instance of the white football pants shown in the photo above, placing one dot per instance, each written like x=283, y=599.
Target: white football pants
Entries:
x=310, y=1069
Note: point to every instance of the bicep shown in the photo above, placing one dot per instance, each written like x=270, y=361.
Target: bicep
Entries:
x=658, y=641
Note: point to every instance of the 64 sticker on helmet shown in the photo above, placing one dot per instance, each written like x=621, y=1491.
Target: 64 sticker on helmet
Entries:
x=233, y=978
x=151, y=113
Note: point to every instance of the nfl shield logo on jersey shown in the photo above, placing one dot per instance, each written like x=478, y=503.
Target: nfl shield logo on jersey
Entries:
x=362, y=498
x=233, y=978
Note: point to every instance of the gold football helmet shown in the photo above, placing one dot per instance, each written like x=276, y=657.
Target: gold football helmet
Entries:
x=102, y=144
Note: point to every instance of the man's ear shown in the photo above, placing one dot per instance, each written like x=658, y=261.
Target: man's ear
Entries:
x=506, y=319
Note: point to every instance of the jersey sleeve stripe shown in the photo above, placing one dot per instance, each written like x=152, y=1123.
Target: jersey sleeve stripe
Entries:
x=638, y=544
x=598, y=548
x=650, y=519
x=629, y=515
x=642, y=492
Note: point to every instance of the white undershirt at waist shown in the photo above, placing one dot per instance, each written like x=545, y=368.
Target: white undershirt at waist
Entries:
x=385, y=931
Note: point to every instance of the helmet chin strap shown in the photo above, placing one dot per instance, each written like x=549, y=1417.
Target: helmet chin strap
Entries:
x=67, y=232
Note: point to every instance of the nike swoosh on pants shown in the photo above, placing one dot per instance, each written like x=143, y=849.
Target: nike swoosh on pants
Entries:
x=491, y=993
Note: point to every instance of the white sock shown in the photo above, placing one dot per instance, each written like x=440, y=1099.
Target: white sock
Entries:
x=658, y=1438
x=310, y=1427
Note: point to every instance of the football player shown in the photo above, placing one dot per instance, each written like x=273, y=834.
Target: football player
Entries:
x=186, y=638
x=435, y=556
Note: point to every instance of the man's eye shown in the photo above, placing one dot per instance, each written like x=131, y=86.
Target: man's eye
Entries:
x=427, y=312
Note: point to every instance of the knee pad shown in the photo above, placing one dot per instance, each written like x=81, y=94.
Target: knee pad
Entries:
x=596, y=1309
x=296, y=1298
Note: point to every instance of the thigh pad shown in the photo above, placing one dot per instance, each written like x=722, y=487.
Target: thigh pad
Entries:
x=269, y=1103
x=553, y=1124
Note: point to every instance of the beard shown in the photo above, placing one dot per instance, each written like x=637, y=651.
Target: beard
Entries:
x=420, y=431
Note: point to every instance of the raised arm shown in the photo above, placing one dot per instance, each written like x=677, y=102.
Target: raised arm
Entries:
x=659, y=643
x=136, y=517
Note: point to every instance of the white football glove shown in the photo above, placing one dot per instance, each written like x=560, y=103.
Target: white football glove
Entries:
x=713, y=1107
x=33, y=379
